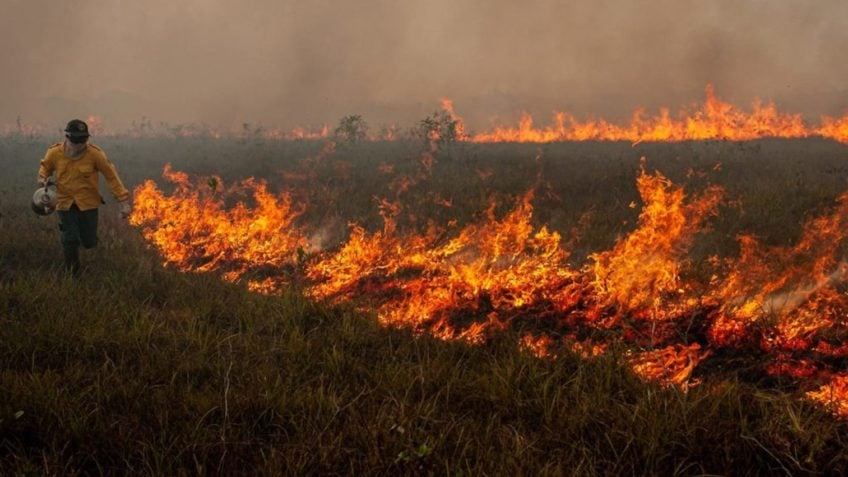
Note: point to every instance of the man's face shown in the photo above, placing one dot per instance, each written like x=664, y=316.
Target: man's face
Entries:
x=77, y=140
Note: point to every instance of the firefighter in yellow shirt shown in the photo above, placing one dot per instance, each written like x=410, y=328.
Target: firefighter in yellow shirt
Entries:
x=74, y=166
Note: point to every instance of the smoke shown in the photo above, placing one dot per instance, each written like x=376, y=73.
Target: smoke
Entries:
x=286, y=62
x=786, y=302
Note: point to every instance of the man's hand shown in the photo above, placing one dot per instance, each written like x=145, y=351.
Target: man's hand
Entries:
x=125, y=210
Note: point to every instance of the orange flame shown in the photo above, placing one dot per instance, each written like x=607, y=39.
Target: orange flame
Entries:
x=492, y=270
x=643, y=270
x=95, y=124
x=833, y=395
x=672, y=365
x=447, y=107
x=505, y=272
x=196, y=232
x=715, y=119
x=302, y=133
x=782, y=282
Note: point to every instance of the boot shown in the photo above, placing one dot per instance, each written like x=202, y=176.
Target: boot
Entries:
x=72, y=260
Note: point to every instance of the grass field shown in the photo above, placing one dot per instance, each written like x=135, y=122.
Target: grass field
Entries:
x=143, y=369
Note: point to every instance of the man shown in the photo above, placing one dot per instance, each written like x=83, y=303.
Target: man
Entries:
x=75, y=164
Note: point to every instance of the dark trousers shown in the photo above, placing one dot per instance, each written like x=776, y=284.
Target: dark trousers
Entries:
x=78, y=227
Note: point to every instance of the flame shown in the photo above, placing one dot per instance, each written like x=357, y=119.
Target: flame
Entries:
x=447, y=107
x=389, y=133
x=492, y=271
x=671, y=365
x=416, y=277
x=505, y=272
x=195, y=231
x=544, y=346
x=643, y=271
x=714, y=119
x=539, y=346
x=95, y=124
x=783, y=284
x=834, y=128
x=302, y=133
x=833, y=395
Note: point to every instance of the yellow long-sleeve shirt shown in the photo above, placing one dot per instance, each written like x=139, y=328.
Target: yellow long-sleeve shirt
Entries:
x=77, y=179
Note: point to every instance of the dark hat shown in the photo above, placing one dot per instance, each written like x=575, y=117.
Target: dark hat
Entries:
x=76, y=128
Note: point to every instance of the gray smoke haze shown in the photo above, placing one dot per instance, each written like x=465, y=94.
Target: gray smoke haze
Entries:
x=295, y=62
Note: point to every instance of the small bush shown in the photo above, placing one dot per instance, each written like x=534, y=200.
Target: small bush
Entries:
x=351, y=128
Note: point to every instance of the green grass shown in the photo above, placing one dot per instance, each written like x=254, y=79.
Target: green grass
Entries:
x=143, y=370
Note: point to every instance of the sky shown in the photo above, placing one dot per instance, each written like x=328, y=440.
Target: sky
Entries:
x=284, y=63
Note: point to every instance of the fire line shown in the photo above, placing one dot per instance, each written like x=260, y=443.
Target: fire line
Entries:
x=779, y=308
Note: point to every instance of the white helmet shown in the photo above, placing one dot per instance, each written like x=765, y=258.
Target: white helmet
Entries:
x=44, y=199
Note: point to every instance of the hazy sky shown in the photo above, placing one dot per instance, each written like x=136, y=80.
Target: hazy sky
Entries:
x=289, y=62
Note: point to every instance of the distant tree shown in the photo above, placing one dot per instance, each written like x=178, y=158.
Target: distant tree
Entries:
x=351, y=128
x=440, y=128
x=251, y=132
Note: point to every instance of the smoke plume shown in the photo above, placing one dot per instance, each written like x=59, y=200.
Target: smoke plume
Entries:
x=286, y=62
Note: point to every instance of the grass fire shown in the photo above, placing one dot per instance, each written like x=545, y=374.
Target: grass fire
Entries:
x=432, y=238
x=781, y=304
x=696, y=283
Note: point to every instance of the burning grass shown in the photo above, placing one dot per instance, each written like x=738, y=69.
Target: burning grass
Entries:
x=712, y=119
x=784, y=303
x=697, y=290
x=176, y=373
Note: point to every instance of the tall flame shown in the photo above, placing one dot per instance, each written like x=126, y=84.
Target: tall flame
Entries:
x=643, y=270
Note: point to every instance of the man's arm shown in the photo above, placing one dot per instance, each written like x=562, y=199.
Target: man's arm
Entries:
x=46, y=169
x=106, y=168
